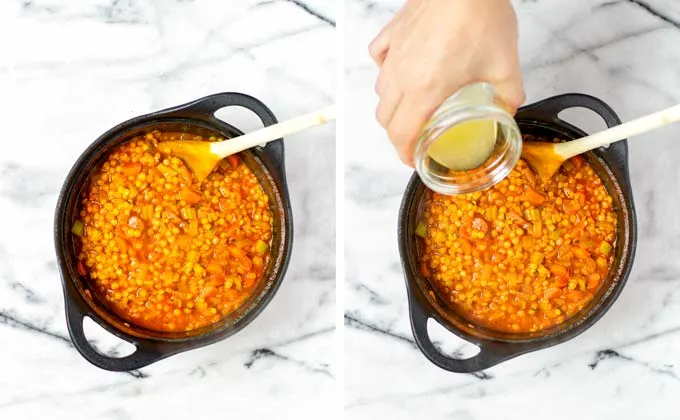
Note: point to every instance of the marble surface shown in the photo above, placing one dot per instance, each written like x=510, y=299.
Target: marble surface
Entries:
x=627, y=366
x=71, y=70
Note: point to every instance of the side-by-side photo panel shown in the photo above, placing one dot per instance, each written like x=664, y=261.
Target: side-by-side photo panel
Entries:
x=162, y=254
x=500, y=262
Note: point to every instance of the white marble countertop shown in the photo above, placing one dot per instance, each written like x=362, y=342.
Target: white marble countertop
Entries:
x=627, y=366
x=71, y=70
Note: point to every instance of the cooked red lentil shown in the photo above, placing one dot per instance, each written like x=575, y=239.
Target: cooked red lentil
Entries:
x=165, y=253
x=520, y=256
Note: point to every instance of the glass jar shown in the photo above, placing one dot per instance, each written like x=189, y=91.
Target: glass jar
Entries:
x=476, y=105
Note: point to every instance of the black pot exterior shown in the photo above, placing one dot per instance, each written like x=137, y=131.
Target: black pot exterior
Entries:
x=267, y=163
x=540, y=119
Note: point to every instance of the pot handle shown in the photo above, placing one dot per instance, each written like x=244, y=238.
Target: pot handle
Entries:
x=144, y=355
x=548, y=110
x=205, y=108
x=490, y=353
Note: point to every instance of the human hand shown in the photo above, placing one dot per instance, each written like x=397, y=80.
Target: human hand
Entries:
x=431, y=49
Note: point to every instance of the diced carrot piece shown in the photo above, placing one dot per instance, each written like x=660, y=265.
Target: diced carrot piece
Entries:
x=236, y=252
x=213, y=268
x=574, y=296
x=590, y=265
x=233, y=160
x=142, y=272
x=147, y=212
x=466, y=246
x=122, y=244
x=208, y=291
x=183, y=241
x=132, y=169
x=552, y=293
x=577, y=161
x=593, y=281
x=559, y=270
x=190, y=196
x=517, y=219
x=193, y=227
x=580, y=252
x=487, y=272
x=562, y=281
x=220, y=251
x=533, y=197
x=218, y=279
x=571, y=206
x=223, y=205
x=527, y=242
x=154, y=173
x=246, y=264
x=249, y=280
x=80, y=267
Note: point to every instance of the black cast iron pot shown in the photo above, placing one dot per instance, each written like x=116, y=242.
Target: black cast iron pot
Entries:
x=611, y=164
x=267, y=163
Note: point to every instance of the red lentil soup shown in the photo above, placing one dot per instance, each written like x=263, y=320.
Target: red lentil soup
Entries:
x=521, y=256
x=162, y=251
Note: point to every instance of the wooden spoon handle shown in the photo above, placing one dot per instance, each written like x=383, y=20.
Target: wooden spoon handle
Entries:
x=273, y=132
x=631, y=128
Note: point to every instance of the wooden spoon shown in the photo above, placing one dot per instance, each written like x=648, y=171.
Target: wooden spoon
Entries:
x=546, y=158
x=202, y=157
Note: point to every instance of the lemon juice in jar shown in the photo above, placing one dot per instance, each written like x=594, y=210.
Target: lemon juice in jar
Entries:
x=470, y=143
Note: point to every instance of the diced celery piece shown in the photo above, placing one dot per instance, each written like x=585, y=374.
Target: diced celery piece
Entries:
x=261, y=247
x=421, y=230
x=78, y=228
x=605, y=248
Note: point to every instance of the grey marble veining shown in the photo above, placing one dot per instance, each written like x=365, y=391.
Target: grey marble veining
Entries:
x=71, y=70
x=627, y=366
